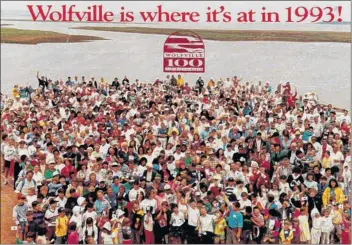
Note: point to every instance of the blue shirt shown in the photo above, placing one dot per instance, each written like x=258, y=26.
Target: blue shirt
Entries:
x=115, y=188
x=102, y=205
x=235, y=219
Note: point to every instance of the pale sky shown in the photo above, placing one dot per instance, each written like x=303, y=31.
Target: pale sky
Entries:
x=136, y=6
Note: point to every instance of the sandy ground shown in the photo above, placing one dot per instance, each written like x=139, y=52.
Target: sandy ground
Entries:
x=8, y=201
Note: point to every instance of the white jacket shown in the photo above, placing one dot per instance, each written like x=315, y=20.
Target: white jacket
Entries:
x=326, y=224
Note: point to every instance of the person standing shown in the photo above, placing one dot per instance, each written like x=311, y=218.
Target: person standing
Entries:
x=206, y=226
x=61, y=227
x=50, y=219
x=235, y=222
x=148, y=228
x=200, y=84
x=10, y=155
x=19, y=213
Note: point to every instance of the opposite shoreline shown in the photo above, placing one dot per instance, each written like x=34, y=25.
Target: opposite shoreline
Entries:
x=237, y=35
x=21, y=36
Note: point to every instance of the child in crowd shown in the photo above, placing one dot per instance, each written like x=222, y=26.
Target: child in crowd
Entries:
x=326, y=227
x=286, y=233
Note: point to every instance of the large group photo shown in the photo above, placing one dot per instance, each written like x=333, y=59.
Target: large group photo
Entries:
x=250, y=144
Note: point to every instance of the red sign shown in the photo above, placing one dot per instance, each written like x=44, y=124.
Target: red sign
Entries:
x=184, y=52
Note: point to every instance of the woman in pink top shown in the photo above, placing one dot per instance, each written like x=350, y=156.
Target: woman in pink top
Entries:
x=72, y=237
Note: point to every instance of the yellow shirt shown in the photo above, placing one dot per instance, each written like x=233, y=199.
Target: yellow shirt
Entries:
x=61, y=226
x=337, y=217
x=211, y=84
x=115, y=232
x=15, y=92
x=180, y=82
x=220, y=227
x=326, y=162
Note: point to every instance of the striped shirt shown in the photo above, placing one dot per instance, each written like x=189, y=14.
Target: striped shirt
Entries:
x=229, y=190
x=50, y=217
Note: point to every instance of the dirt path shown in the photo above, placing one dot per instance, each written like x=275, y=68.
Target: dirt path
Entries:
x=8, y=201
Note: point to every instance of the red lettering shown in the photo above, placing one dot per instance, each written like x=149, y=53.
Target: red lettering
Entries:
x=148, y=16
x=52, y=16
x=40, y=12
x=107, y=15
x=193, y=16
x=174, y=17
x=163, y=16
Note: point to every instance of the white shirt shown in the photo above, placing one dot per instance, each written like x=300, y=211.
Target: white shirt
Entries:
x=87, y=215
x=193, y=215
x=148, y=203
x=38, y=177
x=132, y=195
x=343, y=117
x=49, y=157
x=236, y=175
x=31, y=199
x=317, y=129
x=229, y=155
x=148, y=226
x=103, y=150
x=61, y=202
x=178, y=156
x=10, y=153
x=336, y=156
x=207, y=223
x=31, y=150
x=238, y=192
x=245, y=204
x=177, y=220
x=23, y=151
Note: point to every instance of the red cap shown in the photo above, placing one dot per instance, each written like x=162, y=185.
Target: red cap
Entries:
x=20, y=196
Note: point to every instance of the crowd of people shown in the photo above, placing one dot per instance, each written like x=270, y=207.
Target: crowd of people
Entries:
x=128, y=162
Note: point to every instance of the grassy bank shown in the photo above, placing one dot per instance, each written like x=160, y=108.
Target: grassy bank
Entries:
x=239, y=35
x=19, y=36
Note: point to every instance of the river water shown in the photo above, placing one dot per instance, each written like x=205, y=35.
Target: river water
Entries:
x=321, y=67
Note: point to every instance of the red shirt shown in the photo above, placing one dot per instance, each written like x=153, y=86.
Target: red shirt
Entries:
x=263, y=181
x=73, y=238
x=67, y=170
x=81, y=120
x=254, y=177
x=265, y=164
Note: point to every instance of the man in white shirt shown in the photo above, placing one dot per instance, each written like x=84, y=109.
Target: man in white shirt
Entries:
x=49, y=155
x=193, y=216
x=229, y=153
x=104, y=147
x=317, y=127
x=61, y=199
x=135, y=191
x=345, y=117
x=337, y=158
x=206, y=226
x=178, y=154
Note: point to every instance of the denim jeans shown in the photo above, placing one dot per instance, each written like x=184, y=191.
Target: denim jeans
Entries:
x=60, y=240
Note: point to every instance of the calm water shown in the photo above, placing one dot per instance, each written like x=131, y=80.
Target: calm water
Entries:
x=320, y=67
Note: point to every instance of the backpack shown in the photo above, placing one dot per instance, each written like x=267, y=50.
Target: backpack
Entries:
x=22, y=184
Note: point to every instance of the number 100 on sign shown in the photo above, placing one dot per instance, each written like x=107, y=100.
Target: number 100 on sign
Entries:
x=183, y=64
x=184, y=52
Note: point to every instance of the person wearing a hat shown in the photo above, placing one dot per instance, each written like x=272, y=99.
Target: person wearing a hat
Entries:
x=20, y=211
x=55, y=184
x=150, y=173
x=107, y=236
x=50, y=216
